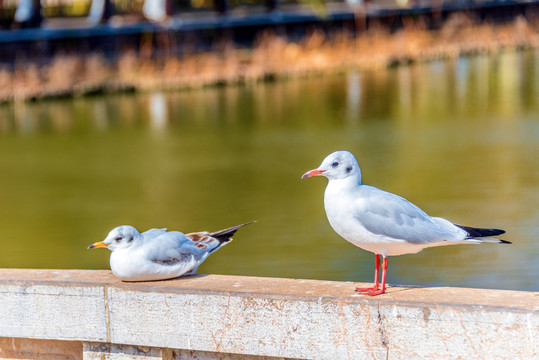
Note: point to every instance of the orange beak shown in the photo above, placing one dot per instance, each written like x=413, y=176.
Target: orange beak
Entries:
x=313, y=172
x=99, y=244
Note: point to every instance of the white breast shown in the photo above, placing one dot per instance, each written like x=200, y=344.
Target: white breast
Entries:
x=135, y=266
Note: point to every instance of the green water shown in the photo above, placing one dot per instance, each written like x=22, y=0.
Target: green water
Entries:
x=458, y=138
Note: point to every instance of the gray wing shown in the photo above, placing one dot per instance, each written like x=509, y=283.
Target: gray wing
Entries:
x=173, y=247
x=173, y=260
x=389, y=215
x=153, y=233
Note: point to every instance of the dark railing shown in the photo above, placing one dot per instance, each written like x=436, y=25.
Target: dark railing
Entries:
x=16, y=14
x=30, y=13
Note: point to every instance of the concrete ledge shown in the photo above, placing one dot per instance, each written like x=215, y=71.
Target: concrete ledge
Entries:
x=206, y=315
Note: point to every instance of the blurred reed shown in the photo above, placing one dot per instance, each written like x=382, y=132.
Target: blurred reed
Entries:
x=272, y=57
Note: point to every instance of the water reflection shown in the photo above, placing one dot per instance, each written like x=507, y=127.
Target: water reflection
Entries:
x=501, y=85
x=353, y=96
x=459, y=138
x=158, y=111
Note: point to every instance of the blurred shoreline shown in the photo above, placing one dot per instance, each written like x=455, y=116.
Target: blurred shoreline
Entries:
x=272, y=57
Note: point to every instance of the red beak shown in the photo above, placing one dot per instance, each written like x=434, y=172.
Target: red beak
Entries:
x=313, y=172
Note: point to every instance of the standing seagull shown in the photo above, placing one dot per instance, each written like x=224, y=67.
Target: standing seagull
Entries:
x=158, y=254
x=381, y=222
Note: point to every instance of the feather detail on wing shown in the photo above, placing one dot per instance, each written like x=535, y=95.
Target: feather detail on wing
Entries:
x=204, y=241
x=192, y=249
x=391, y=216
x=213, y=241
x=182, y=257
x=179, y=265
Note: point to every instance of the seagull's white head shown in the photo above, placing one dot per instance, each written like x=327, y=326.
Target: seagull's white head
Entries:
x=120, y=237
x=337, y=165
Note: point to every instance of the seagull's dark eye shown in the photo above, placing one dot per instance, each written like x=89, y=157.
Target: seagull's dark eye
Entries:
x=335, y=164
x=348, y=169
x=129, y=239
x=117, y=238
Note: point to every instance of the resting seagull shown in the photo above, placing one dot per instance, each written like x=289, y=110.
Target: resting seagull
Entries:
x=158, y=254
x=384, y=223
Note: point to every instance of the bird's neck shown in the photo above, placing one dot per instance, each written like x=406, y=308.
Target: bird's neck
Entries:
x=343, y=185
x=352, y=180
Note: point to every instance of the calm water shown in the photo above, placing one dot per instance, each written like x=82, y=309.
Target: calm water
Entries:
x=458, y=138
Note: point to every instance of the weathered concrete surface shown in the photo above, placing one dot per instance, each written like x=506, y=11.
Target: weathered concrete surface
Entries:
x=266, y=317
x=61, y=310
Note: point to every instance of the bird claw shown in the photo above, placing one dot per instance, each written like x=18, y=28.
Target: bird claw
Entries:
x=372, y=288
x=372, y=291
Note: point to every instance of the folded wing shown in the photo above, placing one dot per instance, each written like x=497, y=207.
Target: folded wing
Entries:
x=389, y=215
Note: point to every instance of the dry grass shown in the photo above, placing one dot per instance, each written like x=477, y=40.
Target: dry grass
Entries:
x=271, y=57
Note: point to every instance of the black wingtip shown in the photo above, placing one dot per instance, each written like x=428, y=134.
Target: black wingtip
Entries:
x=504, y=241
x=481, y=232
x=225, y=234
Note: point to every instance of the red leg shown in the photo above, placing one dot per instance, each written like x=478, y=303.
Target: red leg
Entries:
x=376, y=272
x=383, y=289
